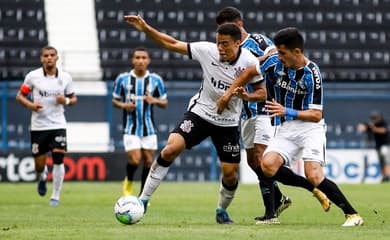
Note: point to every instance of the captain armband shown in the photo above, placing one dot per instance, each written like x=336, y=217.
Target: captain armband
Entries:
x=25, y=89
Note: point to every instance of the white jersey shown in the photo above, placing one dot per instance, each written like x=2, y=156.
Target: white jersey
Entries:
x=217, y=78
x=45, y=89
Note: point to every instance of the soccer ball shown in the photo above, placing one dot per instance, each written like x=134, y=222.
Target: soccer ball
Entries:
x=129, y=210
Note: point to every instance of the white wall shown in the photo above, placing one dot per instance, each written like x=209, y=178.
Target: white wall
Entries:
x=71, y=27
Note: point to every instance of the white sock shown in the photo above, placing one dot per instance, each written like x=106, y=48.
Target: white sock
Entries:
x=155, y=176
x=225, y=197
x=42, y=176
x=58, y=179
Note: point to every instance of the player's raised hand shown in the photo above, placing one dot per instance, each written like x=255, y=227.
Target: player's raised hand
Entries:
x=222, y=104
x=274, y=108
x=241, y=93
x=36, y=106
x=136, y=21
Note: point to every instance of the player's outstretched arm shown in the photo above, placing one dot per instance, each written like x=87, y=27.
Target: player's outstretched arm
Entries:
x=163, y=39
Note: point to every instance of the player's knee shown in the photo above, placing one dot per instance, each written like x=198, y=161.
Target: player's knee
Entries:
x=170, y=152
x=269, y=169
x=314, y=178
x=58, y=157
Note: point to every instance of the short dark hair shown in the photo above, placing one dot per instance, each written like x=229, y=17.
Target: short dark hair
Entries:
x=228, y=14
x=290, y=37
x=140, y=48
x=48, y=48
x=230, y=29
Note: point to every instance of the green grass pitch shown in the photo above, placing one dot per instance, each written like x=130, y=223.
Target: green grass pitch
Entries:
x=184, y=211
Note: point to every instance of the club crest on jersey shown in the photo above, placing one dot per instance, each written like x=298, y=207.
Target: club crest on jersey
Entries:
x=60, y=82
x=186, y=126
x=238, y=71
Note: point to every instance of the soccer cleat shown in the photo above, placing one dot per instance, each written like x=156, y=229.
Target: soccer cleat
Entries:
x=42, y=189
x=127, y=187
x=267, y=220
x=146, y=204
x=322, y=198
x=285, y=202
x=353, y=220
x=54, y=202
x=222, y=217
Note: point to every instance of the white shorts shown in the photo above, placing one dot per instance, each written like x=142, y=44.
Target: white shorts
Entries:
x=384, y=151
x=297, y=139
x=256, y=130
x=132, y=142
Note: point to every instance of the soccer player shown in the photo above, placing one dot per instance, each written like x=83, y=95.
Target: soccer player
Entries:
x=136, y=92
x=221, y=62
x=50, y=89
x=256, y=129
x=294, y=84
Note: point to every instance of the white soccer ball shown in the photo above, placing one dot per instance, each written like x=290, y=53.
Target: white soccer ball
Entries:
x=129, y=210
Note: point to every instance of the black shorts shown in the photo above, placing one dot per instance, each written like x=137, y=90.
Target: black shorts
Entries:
x=44, y=141
x=195, y=129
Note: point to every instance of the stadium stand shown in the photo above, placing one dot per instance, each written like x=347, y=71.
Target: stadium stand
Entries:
x=348, y=39
x=22, y=34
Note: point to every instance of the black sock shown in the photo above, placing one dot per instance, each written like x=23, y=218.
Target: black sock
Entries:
x=267, y=191
x=288, y=177
x=145, y=172
x=335, y=195
x=130, y=169
x=277, y=195
x=163, y=162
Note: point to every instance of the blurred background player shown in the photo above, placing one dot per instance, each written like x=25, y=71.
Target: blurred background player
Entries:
x=136, y=92
x=378, y=131
x=221, y=62
x=256, y=129
x=45, y=91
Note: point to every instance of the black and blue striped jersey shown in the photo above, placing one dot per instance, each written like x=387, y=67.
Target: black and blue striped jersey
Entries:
x=258, y=45
x=300, y=89
x=128, y=87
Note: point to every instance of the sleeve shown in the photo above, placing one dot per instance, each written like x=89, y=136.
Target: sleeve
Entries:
x=159, y=91
x=117, y=90
x=27, y=85
x=255, y=62
x=69, y=90
x=196, y=50
x=313, y=76
x=264, y=43
x=268, y=64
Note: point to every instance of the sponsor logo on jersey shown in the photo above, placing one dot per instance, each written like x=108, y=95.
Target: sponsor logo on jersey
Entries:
x=48, y=94
x=220, y=84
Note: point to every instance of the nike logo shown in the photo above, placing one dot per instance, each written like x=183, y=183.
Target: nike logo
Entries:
x=214, y=64
x=235, y=154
